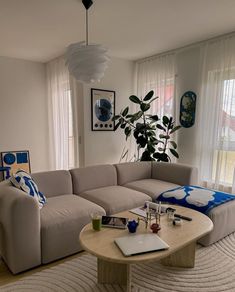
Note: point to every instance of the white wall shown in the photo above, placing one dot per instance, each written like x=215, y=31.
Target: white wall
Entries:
x=187, y=79
x=23, y=109
x=106, y=147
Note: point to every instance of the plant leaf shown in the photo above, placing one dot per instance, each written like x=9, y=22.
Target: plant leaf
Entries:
x=117, y=125
x=125, y=111
x=154, y=117
x=144, y=106
x=175, y=129
x=116, y=118
x=174, y=153
x=149, y=95
x=136, y=133
x=127, y=132
x=161, y=156
x=135, y=99
x=146, y=156
x=165, y=120
x=151, y=148
x=161, y=127
x=162, y=136
x=173, y=144
x=142, y=141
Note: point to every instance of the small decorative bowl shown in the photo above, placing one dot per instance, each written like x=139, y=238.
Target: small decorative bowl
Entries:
x=155, y=227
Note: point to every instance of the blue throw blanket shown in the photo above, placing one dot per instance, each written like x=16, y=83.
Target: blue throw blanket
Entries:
x=194, y=197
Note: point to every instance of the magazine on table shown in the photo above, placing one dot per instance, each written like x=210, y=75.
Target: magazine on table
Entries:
x=153, y=207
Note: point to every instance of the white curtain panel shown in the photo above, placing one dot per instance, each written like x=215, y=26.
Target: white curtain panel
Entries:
x=58, y=101
x=78, y=121
x=216, y=114
x=158, y=74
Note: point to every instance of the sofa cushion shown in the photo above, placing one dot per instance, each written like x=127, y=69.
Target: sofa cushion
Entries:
x=115, y=199
x=54, y=183
x=223, y=218
x=62, y=219
x=195, y=197
x=93, y=177
x=132, y=171
x=151, y=187
x=176, y=173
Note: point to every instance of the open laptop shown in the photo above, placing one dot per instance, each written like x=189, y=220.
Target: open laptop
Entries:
x=133, y=244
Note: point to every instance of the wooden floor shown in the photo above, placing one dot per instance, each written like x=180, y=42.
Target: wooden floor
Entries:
x=7, y=277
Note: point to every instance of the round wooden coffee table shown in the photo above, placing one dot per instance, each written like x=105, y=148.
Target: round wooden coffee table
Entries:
x=115, y=268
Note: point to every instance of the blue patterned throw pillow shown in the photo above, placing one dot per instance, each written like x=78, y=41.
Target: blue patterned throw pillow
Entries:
x=23, y=181
x=197, y=198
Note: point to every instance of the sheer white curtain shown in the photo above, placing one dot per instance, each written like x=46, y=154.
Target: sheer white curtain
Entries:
x=158, y=74
x=61, y=135
x=216, y=108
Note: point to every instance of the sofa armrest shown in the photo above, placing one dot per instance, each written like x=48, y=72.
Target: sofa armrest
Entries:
x=20, y=229
x=180, y=174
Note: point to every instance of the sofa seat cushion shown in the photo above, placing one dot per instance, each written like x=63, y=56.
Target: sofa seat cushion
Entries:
x=151, y=187
x=115, y=199
x=62, y=219
x=223, y=218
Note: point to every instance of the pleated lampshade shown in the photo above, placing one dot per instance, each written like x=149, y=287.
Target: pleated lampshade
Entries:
x=86, y=63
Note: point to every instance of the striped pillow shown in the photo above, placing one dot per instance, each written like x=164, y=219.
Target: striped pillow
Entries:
x=23, y=181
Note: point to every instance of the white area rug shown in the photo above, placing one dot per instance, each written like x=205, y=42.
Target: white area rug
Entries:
x=214, y=272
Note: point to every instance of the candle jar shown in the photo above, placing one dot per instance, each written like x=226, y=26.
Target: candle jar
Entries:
x=170, y=214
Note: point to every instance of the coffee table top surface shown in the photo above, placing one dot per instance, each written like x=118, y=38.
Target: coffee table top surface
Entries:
x=102, y=245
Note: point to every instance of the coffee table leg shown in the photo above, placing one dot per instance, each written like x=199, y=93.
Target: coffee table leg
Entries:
x=114, y=273
x=183, y=258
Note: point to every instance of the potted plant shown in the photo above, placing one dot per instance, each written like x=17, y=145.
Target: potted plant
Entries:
x=152, y=134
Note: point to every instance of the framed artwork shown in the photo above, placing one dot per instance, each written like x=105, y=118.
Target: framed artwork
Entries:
x=102, y=109
x=16, y=160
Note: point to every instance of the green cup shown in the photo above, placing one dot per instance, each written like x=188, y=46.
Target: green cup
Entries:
x=96, y=222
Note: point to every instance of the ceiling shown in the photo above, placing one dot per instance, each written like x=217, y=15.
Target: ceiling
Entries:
x=40, y=30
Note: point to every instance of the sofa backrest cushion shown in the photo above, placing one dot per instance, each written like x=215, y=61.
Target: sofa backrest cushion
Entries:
x=176, y=173
x=93, y=177
x=54, y=183
x=132, y=171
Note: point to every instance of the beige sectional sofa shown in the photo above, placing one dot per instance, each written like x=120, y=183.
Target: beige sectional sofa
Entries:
x=30, y=237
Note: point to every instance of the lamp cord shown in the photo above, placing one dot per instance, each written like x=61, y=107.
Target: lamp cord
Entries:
x=87, y=27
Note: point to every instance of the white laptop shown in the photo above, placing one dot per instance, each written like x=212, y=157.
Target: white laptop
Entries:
x=133, y=244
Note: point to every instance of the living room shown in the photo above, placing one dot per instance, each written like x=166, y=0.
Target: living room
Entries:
x=176, y=48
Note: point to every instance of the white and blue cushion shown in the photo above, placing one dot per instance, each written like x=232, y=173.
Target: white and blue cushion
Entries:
x=23, y=181
x=194, y=197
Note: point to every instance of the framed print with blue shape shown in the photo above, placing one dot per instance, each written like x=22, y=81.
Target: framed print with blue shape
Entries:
x=102, y=109
x=16, y=160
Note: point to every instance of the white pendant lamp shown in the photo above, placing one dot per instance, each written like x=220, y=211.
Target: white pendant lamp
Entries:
x=86, y=62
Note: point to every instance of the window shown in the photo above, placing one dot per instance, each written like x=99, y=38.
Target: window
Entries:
x=228, y=117
x=224, y=157
x=164, y=105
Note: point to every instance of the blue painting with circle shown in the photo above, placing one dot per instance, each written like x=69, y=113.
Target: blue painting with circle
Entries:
x=103, y=110
x=9, y=158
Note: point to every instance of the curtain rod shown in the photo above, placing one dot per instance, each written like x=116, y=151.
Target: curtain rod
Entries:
x=180, y=49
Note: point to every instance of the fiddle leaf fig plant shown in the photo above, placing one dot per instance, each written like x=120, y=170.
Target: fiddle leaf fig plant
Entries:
x=152, y=134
